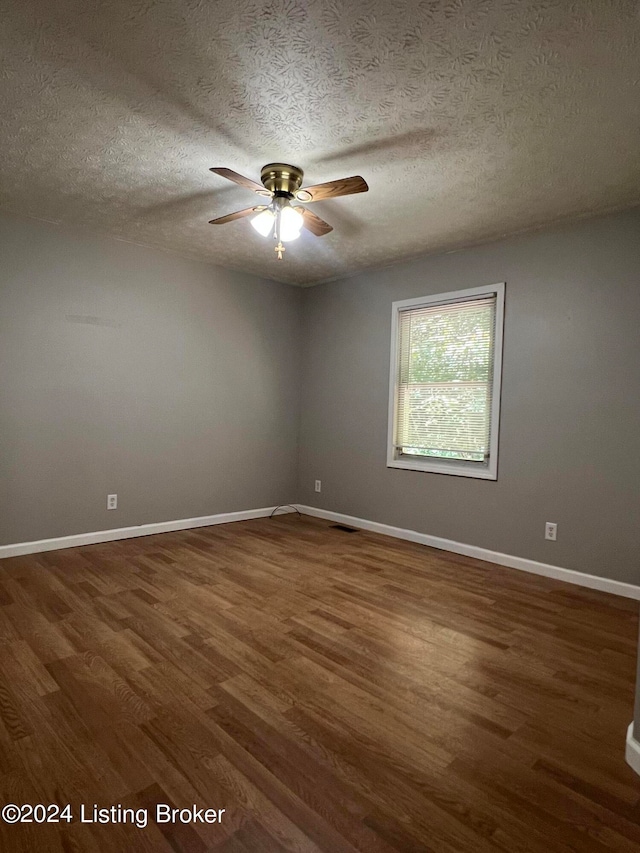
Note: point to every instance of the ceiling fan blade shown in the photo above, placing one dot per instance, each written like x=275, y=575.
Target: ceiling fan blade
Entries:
x=333, y=189
x=230, y=175
x=222, y=220
x=313, y=223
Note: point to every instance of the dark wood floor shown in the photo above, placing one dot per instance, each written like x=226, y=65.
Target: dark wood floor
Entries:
x=330, y=691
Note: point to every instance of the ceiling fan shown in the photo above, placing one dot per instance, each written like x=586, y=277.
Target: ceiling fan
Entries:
x=281, y=184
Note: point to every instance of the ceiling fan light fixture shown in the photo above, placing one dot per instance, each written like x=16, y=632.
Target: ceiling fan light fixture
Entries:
x=263, y=222
x=290, y=224
x=281, y=183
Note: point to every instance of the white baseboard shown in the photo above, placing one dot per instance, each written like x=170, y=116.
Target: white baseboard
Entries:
x=628, y=590
x=97, y=536
x=632, y=750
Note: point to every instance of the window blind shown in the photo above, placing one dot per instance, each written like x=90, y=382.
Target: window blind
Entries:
x=445, y=377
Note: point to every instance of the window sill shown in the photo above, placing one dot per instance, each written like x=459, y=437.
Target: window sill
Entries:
x=455, y=469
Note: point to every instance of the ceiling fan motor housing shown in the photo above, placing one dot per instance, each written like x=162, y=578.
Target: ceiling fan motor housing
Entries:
x=282, y=178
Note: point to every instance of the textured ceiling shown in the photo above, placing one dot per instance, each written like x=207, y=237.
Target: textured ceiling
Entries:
x=468, y=118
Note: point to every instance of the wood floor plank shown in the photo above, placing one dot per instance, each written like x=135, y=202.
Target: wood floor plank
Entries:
x=332, y=692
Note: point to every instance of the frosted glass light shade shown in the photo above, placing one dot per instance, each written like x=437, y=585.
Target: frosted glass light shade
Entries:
x=290, y=224
x=263, y=222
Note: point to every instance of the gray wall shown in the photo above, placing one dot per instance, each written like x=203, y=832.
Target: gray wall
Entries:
x=122, y=369
x=570, y=421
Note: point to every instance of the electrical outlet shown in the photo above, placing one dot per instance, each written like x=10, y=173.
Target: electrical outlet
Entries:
x=112, y=502
x=551, y=530
x=318, y=485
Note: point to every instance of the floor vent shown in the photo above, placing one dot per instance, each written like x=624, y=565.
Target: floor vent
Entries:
x=344, y=528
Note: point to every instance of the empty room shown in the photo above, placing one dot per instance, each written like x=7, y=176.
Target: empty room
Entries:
x=319, y=421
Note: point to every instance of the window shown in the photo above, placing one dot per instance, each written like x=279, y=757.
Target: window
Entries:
x=444, y=405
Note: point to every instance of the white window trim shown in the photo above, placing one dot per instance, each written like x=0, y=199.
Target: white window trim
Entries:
x=437, y=466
